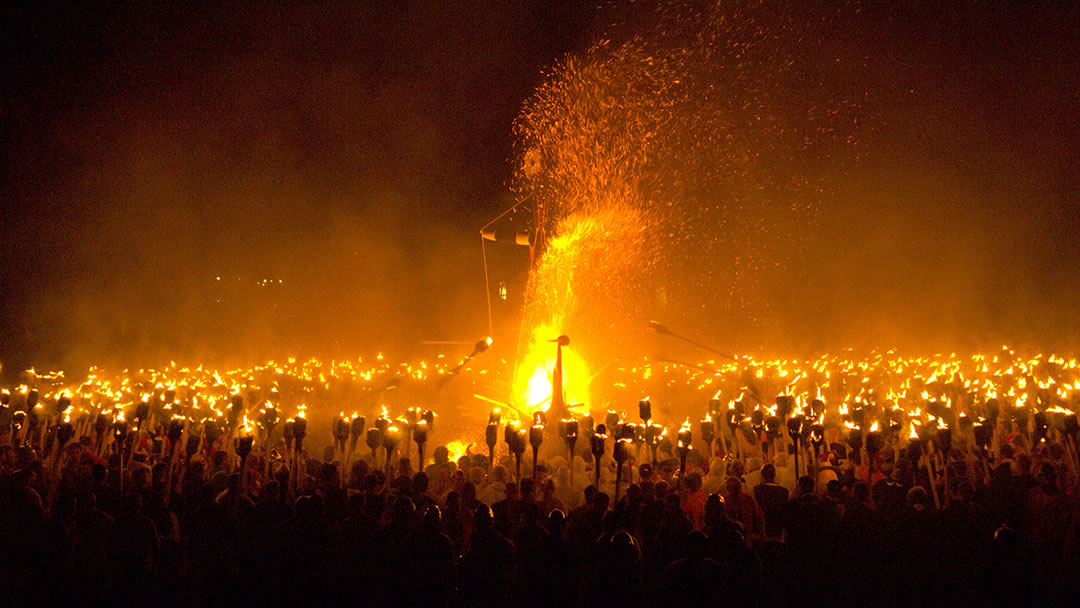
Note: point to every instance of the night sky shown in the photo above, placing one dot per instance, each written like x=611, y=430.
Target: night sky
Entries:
x=162, y=163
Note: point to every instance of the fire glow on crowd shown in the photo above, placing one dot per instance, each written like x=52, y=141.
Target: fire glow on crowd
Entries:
x=979, y=401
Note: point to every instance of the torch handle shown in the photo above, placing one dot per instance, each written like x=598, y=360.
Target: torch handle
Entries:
x=795, y=452
x=535, y=450
x=618, y=478
x=933, y=485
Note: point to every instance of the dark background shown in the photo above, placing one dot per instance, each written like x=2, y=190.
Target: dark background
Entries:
x=352, y=150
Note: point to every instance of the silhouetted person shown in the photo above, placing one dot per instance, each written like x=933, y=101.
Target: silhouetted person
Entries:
x=485, y=567
x=695, y=580
x=430, y=564
x=773, y=499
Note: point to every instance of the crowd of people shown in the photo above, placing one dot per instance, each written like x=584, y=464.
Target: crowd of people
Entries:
x=755, y=529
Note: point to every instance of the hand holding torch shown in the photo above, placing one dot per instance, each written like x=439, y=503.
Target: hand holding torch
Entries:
x=795, y=428
x=621, y=453
x=683, y=447
x=374, y=440
x=653, y=432
x=390, y=441
x=339, y=428
x=412, y=415
x=243, y=445
x=645, y=410
x=491, y=437
x=707, y=430
x=536, y=437
x=735, y=415
x=420, y=436
x=596, y=446
x=570, y=435
x=757, y=422
x=517, y=446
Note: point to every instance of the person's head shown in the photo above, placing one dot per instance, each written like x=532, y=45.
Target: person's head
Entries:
x=834, y=489
x=420, y=482
x=714, y=507
x=916, y=498
x=158, y=471
x=601, y=501
x=432, y=519
x=590, y=493
x=548, y=488
x=754, y=463
x=468, y=492
x=133, y=502
x=1023, y=461
x=531, y=513
x=768, y=473
x=527, y=488
x=98, y=473
x=511, y=491
x=1007, y=545
x=140, y=476
x=372, y=482
x=477, y=476
x=860, y=491
x=648, y=491
x=645, y=471
x=737, y=469
x=482, y=517
x=805, y=485
x=453, y=501
x=693, y=482
x=404, y=509
x=556, y=522
x=374, y=506
x=733, y=486
x=219, y=459
x=441, y=455
x=672, y=502
x=328, y=474
x=1048, y=476
x=357, y=473
x=696, y=545
x=623, y=543
x=965, y=491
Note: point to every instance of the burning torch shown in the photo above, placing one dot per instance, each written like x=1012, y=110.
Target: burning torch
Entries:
x=683, y=447
x=570, y=435
x=596, y=445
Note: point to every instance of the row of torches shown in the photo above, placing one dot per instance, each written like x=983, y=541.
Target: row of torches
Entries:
x=865, y=423
x=52, y=428
x=805, y=427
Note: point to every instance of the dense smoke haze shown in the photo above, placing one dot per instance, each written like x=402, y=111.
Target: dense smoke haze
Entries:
x=231, y=184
